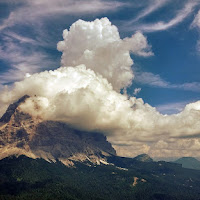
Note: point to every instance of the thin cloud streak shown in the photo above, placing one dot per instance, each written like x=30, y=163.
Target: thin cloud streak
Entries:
x=32, y=10
x=154, y=80
x=21, y=38
x=153, y=6
x=196, y=24
x=42, y=40
x=196, y=21
x=21, y=58
x=21, y=52
x=161, y=26
x=172, y=108
x=148, y=78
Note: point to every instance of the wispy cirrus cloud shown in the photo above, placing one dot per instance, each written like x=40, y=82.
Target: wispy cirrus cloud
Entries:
x=161, y=25
x=20, y=38
x=196, y=21
x=148, y=78
x=21, y=56
x=23, y=51
x=155, y=80
x=43, y=39
x=196, y=24
x=30, y=11
x=172, y=108
x=153, y=6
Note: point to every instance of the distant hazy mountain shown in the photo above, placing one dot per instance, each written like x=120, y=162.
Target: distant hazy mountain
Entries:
x=189, y=162
x=144, y=158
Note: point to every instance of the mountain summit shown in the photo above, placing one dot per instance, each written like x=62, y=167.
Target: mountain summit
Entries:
x=189, y=162
x=144, y=158
x=22, y=134
x=11, y=109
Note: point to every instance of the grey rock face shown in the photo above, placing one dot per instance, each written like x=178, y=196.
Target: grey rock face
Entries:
x=11, y=109
x=22, y=134
x=63, y=141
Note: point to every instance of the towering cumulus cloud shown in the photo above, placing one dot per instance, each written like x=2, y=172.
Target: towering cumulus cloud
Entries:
x=84, y=92
x=98, y=45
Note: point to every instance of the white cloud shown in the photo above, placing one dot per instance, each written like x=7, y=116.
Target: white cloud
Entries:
x=25, y=54
x=136, y=91
x=78, y=96
x=160, y=26
x=83, y=95
x=101, y=49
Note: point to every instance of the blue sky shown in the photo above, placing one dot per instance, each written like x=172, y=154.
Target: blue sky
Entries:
x=30, y=31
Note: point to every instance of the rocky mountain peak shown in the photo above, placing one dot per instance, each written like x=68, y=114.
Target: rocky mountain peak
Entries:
x=12, y=108
x=21, y=134
x=144, y=158
x=189, y=162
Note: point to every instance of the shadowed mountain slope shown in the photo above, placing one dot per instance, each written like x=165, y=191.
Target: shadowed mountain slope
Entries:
x=21, y=133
